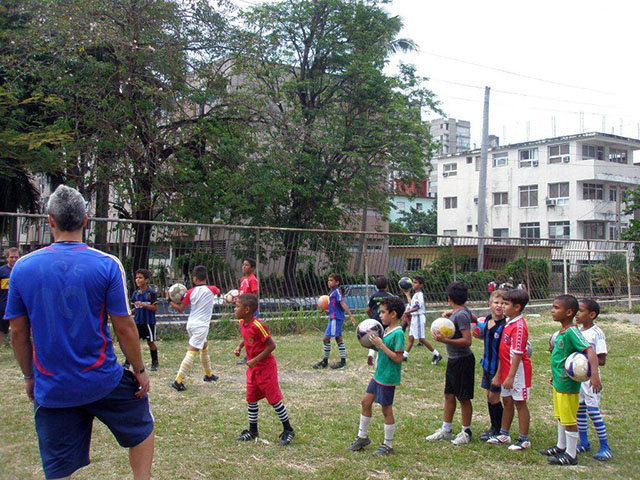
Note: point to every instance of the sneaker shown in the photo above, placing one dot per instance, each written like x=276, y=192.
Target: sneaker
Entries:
x=440, y=434
x=462, y=438
x=126, y=365
x=154, y=367
x=321, y=364
x=487, y=434
x=499, y=440
x=359, y=443
x=583, y=447
x=551, y=451
x=285, y=437
x=563, y=459
x=246, y=436
x=210, y=378
x=178, y=386
x=405, y=359
x=436, y=359
x=339, y=365
x=603, y=454
x=383, y=450
x=520, y=445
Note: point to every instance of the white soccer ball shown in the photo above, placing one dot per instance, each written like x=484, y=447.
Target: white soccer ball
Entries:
x=368, y=327
x=231, y=296
x=176, y=292
x=577, y=367
x=444, y=326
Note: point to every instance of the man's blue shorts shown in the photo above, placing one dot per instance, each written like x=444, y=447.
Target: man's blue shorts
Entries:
x=334, y=328
x=64, y=434
x=382, y=394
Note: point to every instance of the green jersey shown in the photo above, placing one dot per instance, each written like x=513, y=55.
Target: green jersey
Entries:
x=388, y=371
x=567, y=342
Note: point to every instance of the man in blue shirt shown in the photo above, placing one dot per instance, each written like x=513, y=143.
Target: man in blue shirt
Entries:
x=62, y=296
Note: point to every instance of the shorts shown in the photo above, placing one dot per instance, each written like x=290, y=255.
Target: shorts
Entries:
x=4, y=325
x=382, y=394
x=565, y=407
x=486, y=382
x=198, y=336
x=334, y=328
x=459, y=379
x=518, y=394
x=262, y=382
x=587, y=396
x=416, y=330
x=146, y=331
x=64, y=434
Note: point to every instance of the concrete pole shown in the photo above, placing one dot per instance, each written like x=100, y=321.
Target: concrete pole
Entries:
x=482, y=183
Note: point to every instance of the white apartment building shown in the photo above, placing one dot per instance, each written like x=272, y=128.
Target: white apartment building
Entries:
x=563, y=187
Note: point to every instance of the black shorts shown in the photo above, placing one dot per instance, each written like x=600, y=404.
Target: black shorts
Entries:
x=4, y=325
x=146, y=331
x=459, y=379
x=486, y=382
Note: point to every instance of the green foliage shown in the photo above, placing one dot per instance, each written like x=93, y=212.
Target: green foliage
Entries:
x=217, y=269
x=539, y=275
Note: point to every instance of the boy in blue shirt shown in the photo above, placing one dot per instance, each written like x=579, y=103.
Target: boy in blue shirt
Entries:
x=145, y=303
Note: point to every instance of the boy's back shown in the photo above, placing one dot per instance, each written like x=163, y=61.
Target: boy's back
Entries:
x=336, y=312
x=375, y=301
x=201, y=299
x=568, y=341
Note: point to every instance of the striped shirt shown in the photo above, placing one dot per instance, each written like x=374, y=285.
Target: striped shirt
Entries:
x=144, y=316
x=491, y=337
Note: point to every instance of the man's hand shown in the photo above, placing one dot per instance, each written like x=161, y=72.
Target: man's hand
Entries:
x=143, y=382
x=28, y=386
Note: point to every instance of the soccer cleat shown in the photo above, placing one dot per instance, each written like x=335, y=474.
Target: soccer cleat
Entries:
x=359, y=443
x=603, y=454
x=154, y=367
x=210, y=378
x=321, y=364
x=126, y=365
x=563, y=459
x=499, y=440
x=405, y=359
x=178, y=386
x=583, y=447
x=383, y=450
x=436, y=359
x=440, y=434
x=487, y=434
x=246, y=436
x=520, y=445
x=285, y=437
x=462, y=438
x=339, y=365
x=551, y=451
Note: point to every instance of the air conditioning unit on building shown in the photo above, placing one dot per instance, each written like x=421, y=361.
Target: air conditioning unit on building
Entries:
x=445, y=174
x=534, y=163
x=552, y=202
x=565, y=159
x=475, y=200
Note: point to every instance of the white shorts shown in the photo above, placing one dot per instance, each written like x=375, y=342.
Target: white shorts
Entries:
x=198, y=336
x=517, y=393
x=416, y=330
x=587, y=396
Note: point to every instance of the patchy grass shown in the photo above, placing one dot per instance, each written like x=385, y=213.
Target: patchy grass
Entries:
x=195, y=429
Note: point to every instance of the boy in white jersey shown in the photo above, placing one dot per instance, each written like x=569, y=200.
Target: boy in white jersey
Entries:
x=201, y=299
x=417, y=311
x=588, y=311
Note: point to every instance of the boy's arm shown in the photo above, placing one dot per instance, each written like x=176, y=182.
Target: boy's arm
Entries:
x=596, y=384
x=239, y=348
x=346, y=309
x=464, y=341
x=515, y=363
x=180, y=307
x=394, y=356
x=269, y=346
x=602, y=358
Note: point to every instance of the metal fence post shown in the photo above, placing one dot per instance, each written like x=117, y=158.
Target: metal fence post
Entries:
x=526, y=264
x=366, y=265
x=627, y=257
x=589, y=263
x=258, y=259
x=453, y=259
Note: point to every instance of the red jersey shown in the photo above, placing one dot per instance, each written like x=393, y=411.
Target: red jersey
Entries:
x=249, y=284
x=255, y=336
x=514, y=341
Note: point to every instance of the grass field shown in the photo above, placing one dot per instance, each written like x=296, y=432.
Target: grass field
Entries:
x=195, y=429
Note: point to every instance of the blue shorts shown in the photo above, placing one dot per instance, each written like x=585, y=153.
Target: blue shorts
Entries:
x=486, y=383
x=334, y=328
x=64, y=434
x=382, y=394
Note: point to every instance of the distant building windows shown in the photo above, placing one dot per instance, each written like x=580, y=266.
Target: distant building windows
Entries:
x=528, y=195
x=449, y=169
x=469, y=160
x=401, y=206
x=592, y=152
x=592, y=191
x=559, y=193
x=452, y=232
x=559, y=230
x=559, y=153
x=450, y=202
x=528, y=157
x=530, y=230
x=418, y=206
x=500, y=159
x=613, y=194
x=500, y=198
x=500, y=232
x=593, y=230
x=414, y=264
x=469, y=228
x=617, y=155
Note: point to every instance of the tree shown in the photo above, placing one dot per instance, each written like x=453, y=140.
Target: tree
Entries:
x=419, y=221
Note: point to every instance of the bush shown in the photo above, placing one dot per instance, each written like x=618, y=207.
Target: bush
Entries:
x=539, y=275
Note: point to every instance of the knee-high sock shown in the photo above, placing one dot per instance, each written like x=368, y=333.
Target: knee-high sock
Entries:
x=283, y=416
x=389, y=430
x=343, y=350
x=185, y=366
x=205, y=359
x=582, y=424
x=363, y=430
x=572, y=443
x=598, y=423
x=497, y=412
x=327, y=350
x=252, y=410
x=562, y=436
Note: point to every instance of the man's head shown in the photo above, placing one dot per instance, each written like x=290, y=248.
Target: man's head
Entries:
x=13, y=254
x=67, y=210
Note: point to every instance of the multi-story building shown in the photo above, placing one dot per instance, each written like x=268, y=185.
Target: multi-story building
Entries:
x=563, y=187
x=452, y=135
x=411, y=196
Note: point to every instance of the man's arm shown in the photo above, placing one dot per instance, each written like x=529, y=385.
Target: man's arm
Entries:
x=127, y=334
x=23, y=350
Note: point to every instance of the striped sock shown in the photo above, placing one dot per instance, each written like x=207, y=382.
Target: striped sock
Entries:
x=205, y=359
x=343, y=351
x=252, y=410
x=582, y=424
x=283, y=416
x=389, y=430
x=598, y=423
x=327, y=350
x=185, y=366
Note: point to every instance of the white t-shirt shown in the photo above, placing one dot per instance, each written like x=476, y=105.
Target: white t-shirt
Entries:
x=417, y=301
x=596, y=338
x=200, y=298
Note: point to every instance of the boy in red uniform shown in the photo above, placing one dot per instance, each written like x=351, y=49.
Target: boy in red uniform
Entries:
x=262, y=371
x=248, y=281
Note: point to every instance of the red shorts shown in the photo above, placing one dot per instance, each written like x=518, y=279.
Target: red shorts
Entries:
x=262, y=382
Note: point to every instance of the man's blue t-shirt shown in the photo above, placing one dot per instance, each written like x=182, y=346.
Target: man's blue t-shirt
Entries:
x=144, y=316
x=67, y=290
x=336, y=312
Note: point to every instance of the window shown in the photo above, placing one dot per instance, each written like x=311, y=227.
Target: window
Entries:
x=528, y=157
x=418, y=206
x=593, y=230
x=613, y=233
x=613, y=194
x=469, y=228
x=450, y=232
x=469, y=160
x=500, y=198
x=592, y=191
x=450, y=202
x=530, y=230
x=592, y=152
x=449, y=169
x=500, y=232
x=618, y=156
x=401, y=206
x=414, y=264
x=477, y=159
x=529, y=196
x=500, y=159
x=559, y=153
x=559, y=230
x=559, y=192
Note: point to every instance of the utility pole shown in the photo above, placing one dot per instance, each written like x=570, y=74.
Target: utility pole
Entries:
x=618, y=208
x=482, y=184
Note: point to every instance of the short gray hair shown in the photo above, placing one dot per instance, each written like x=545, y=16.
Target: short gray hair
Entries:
x=67, y=207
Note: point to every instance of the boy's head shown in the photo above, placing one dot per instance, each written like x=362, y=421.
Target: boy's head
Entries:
x=199, y=274
x=496, y=303
x=246, y=305
x=588, y=311
x=514, y=302
x=248, y=266
x=391, y=309
x=334, y=280
x=13, y=254
x=418, y=282
x=142, y=277
x=382, y=283
x=564, y=308
x=457, y=293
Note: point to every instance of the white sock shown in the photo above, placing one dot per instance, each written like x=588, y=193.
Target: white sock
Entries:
x=405, y=354
x=447, y=427
x=372, y=352
x=363, y=431
x=562, y=438
x=436, y=352
x=389, y=430
x=572, y=444
x=466, y=427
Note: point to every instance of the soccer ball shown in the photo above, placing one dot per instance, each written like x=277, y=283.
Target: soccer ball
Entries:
x=323, y=303
x=231, y=296
x=444, y=326
x=176, y=292
x=577, y=367
x=405, y=283
x=368, y=327
x=552, y=339
x=529, y=349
